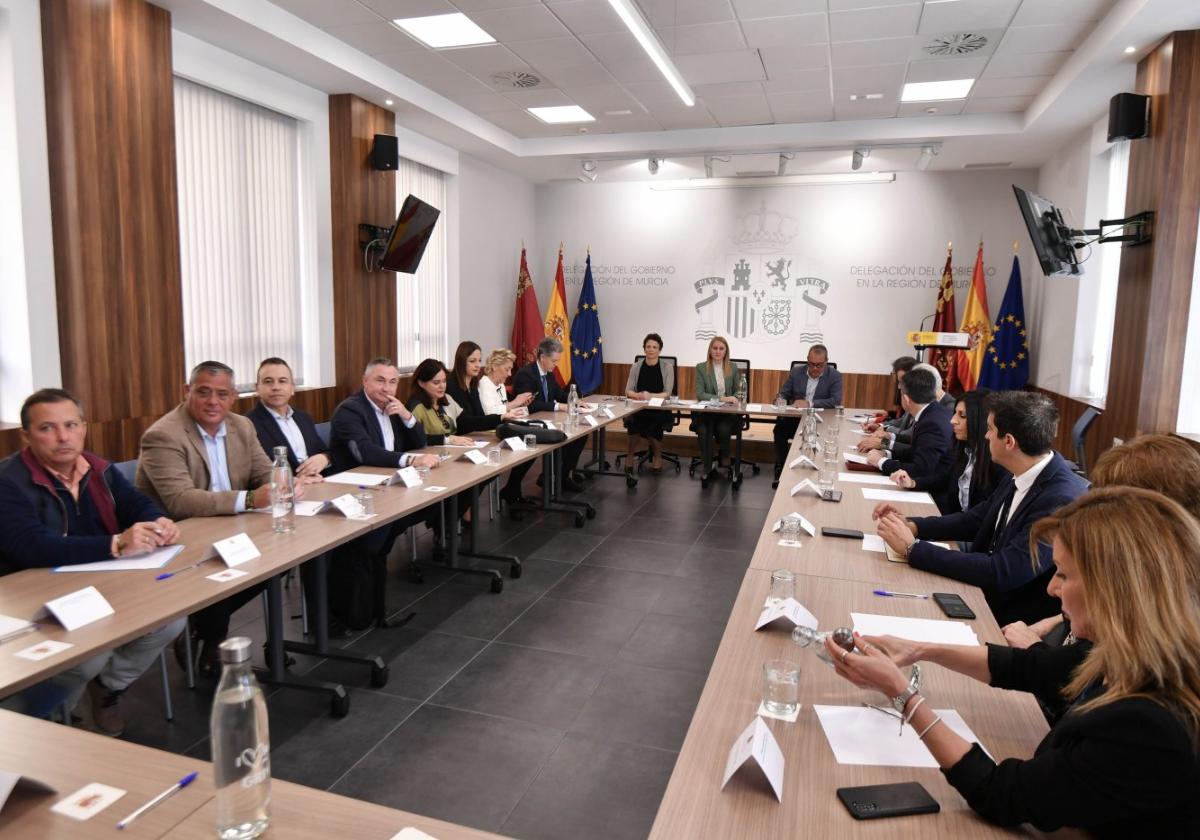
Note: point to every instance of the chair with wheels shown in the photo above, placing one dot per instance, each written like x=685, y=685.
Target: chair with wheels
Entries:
x=743, y=367
x=641, y=456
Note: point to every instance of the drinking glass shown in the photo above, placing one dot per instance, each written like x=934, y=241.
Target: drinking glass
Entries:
x=781, y=686
x=826, y=473
x=366, y=501
x=783, y=586
x=790, y=532
x=423, y=472
x=493, y=456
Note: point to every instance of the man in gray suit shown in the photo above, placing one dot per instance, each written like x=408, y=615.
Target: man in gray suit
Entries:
x=816, y=384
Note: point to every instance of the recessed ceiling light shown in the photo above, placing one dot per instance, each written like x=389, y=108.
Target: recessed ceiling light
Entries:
x=1129, y=50
x=440, y=31
x=934, y=91
x=558, y=114
x=388, y=102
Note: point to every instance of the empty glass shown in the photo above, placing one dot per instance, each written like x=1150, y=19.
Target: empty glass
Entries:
x=780, y=402
x=530, y=441
x=783, y=586
x=493, y=456
x=825, y=474
x=366, y=501
x=789, y=531
x=423, y=472
x=781, y=687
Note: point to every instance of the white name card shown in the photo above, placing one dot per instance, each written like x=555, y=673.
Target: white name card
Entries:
x=237, y=549
x=608, y=412
x=808, y=527
x=756, y=744
x=474, y=456
x=79, y=608
x=591, y=420
x=350, y=507
x=409, y=476
x=806, y=484
x=802, y=461
x=515, y=443
x=752, y=407
x=655, y=402
x=788, y=608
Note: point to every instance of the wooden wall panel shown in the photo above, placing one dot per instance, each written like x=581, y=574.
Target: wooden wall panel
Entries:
x=364, y=302
x=111, y=142
x=1154, y=290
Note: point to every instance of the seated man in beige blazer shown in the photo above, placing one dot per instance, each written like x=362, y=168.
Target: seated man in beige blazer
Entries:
x=201, y=460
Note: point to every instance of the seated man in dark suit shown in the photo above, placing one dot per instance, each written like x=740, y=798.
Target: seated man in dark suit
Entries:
x=896, y=435
x=1020, y=434
x=537, y=378
x=814, y=384
x=372, y=428
x=932, y=448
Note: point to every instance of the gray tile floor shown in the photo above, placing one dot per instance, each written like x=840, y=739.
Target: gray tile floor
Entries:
x=555, y=709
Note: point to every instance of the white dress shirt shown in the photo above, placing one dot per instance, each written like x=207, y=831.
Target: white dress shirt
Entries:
x=1023, y=482
x=964, y=481
x=810, y=388
x=218, y=465
x=389, y=437
x=493, y=398
x=287, y=425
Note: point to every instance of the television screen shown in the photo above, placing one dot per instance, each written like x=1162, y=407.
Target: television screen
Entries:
x=410, y=235
x=1049, y=233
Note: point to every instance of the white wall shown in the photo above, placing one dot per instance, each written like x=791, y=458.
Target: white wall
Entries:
x=873, y=254
x=496, y=212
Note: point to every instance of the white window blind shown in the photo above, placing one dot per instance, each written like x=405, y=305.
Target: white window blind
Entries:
x=1110, y=269
x=239, y=231
x=421, y=297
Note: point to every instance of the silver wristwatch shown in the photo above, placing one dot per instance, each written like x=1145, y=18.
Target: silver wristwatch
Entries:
x=914, y=686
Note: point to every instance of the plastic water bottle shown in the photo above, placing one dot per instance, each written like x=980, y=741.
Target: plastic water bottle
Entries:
x=806, y=637
x=283, y=494
x=573, y=406
x=241, y=750
x=742, y=390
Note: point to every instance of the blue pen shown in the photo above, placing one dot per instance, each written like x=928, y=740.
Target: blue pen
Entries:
x=171, y=791
x=166, y=575
x=887, y=593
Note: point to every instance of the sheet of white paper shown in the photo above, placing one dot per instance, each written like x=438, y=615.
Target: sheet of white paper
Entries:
x=861, y=735
x=10, y=626
x=907, y=496
x=758, y=744
x=655, y=402
x=153, y=560
x=935, y=630
x=855, y=458
x=364, y=479
x=865, y=478
x=434, y=488
x=237, y=549
x=79, y=608
x=754, y=407
x=874, y=542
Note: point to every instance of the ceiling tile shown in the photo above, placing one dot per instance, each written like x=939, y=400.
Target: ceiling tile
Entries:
x=1033, y=64
x=710, y=68
x=727, y=89
x=872, y=110
x=662, y=13
x=803, y=100
x=577, y=75
x=702, y=38
x=798, y=80
x=1000, y=104
x=788, y=32
x=887, y=22
x=1024, y=86
x=484, y=103
x=538, y=98
x=887, y=79
x=524, y=124
x=435, y=73
x=653, y=93
x=524, y=23
x=940, y=70
x=781, y=60
x=1061, y=11
x=683, y=118
x=600, y=98
x=750, y=9
x=1019, y=40
x=622, y=56
x=785, y=112
x=881, y=51
x=967, y=15
x=552, y=52
x=392, y=9
x=624, y=123
x=940, y=109
x=740, y=110
x=482, y=62
x=849, y=5
x=947, y=45
x=376, y=37
x=587, y=17
x=470, y=6
x=324, y=13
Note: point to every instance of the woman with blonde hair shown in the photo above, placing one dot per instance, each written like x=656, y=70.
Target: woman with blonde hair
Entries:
x=716, y=381
x=493, y=400
x=1123, y=760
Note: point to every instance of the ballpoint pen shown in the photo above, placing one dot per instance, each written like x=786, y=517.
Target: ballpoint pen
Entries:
x=887, y=593
x=166, y=575
x=166, y=794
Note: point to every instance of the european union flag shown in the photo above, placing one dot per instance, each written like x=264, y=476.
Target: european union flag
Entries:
x=587, y=346
x=1006, y=365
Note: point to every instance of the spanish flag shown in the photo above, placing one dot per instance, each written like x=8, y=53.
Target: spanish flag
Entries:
x=556, y=322
x=978, y=324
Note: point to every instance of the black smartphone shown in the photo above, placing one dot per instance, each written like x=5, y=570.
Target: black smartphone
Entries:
x=901, y=799
x=831, y=496
x=953, y=605
x=848, y=533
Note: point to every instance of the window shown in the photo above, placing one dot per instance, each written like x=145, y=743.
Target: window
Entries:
x=1110, y=269
x=421, y=298
x=239, y=231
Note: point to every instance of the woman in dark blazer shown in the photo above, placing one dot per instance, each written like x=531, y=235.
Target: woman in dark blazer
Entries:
x=650, y=377
x=972, y=476
x=1123, y=760
x=463, y=388
x=716, y=381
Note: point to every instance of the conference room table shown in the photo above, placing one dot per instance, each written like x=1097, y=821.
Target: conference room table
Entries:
x=834, y=578
x=67, y=759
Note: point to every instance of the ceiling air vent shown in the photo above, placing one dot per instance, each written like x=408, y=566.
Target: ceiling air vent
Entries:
x=960, y=43
x=516, y=79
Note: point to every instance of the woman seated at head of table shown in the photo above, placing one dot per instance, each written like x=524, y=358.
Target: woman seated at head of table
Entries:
x=1123, y=760
x=716, y=381
x=650, y=377
x=972, y=476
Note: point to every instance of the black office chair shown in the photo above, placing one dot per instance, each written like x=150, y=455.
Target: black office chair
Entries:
x=643, y=455
x=323, y=431
x=743, y=366
x=1079, y=435
x=803, y=365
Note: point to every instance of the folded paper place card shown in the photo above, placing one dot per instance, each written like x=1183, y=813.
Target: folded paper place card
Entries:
x=788, y=608
x=754, y=407
x=808, y=527
x=655, y=402
x=608, y=412
x=591, y=420
x=802, y=461
x=474, y=456
x=411, y=833
x=756, y=744
x=409, y=476
x=806, y=484
x=350, y=507
x=79, y=608
x=515, y=443
x=237, y=549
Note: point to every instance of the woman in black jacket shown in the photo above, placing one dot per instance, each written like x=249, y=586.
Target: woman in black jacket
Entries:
x=1124, y=758
x=972, y=477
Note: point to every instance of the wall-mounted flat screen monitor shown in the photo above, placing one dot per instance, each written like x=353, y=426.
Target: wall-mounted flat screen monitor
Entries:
x=1049, y=233
x=410, y=235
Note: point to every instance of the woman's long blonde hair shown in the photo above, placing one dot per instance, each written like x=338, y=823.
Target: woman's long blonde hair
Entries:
x=708, y=355
x=497, y=358
x=1138, y=556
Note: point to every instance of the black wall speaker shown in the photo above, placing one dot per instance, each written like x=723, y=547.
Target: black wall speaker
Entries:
x=1128, y=116
x=385, y=152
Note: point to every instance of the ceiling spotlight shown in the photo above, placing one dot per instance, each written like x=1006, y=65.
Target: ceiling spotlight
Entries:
x=927, y=155
x=856, y=159
x=654, y=164
x=587, y=165
x=388, y=102
x=1130, y=50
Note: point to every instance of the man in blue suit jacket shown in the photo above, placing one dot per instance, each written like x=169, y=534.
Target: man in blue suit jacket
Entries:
x=932, y=449
x=277, y=423
x=1021, y=430
x=815, y=384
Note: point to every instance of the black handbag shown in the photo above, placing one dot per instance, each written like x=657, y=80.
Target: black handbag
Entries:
x=537, y=428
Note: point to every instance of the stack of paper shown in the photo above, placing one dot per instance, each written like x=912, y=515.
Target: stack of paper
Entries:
x=364, y=479
x=909, y=496
x=862, y=735
x=936, y=630
x=866, y=478
x=153, y=560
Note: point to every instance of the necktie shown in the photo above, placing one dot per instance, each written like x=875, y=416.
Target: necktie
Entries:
x=545, y=390
x=1002, y=519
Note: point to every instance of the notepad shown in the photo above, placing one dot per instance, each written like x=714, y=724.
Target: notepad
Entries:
x=364, y=479
x=862, y=735
x=936, y=630
x=855, y=458
x=154, y=560
x=866, y=478
x=905, y=496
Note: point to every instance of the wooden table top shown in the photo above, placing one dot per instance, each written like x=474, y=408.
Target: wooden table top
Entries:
x=67, y=759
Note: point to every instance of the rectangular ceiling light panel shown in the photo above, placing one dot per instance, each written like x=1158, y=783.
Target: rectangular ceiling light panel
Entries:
x=442, y=31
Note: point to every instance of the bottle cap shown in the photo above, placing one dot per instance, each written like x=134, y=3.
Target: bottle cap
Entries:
x=235, y=649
